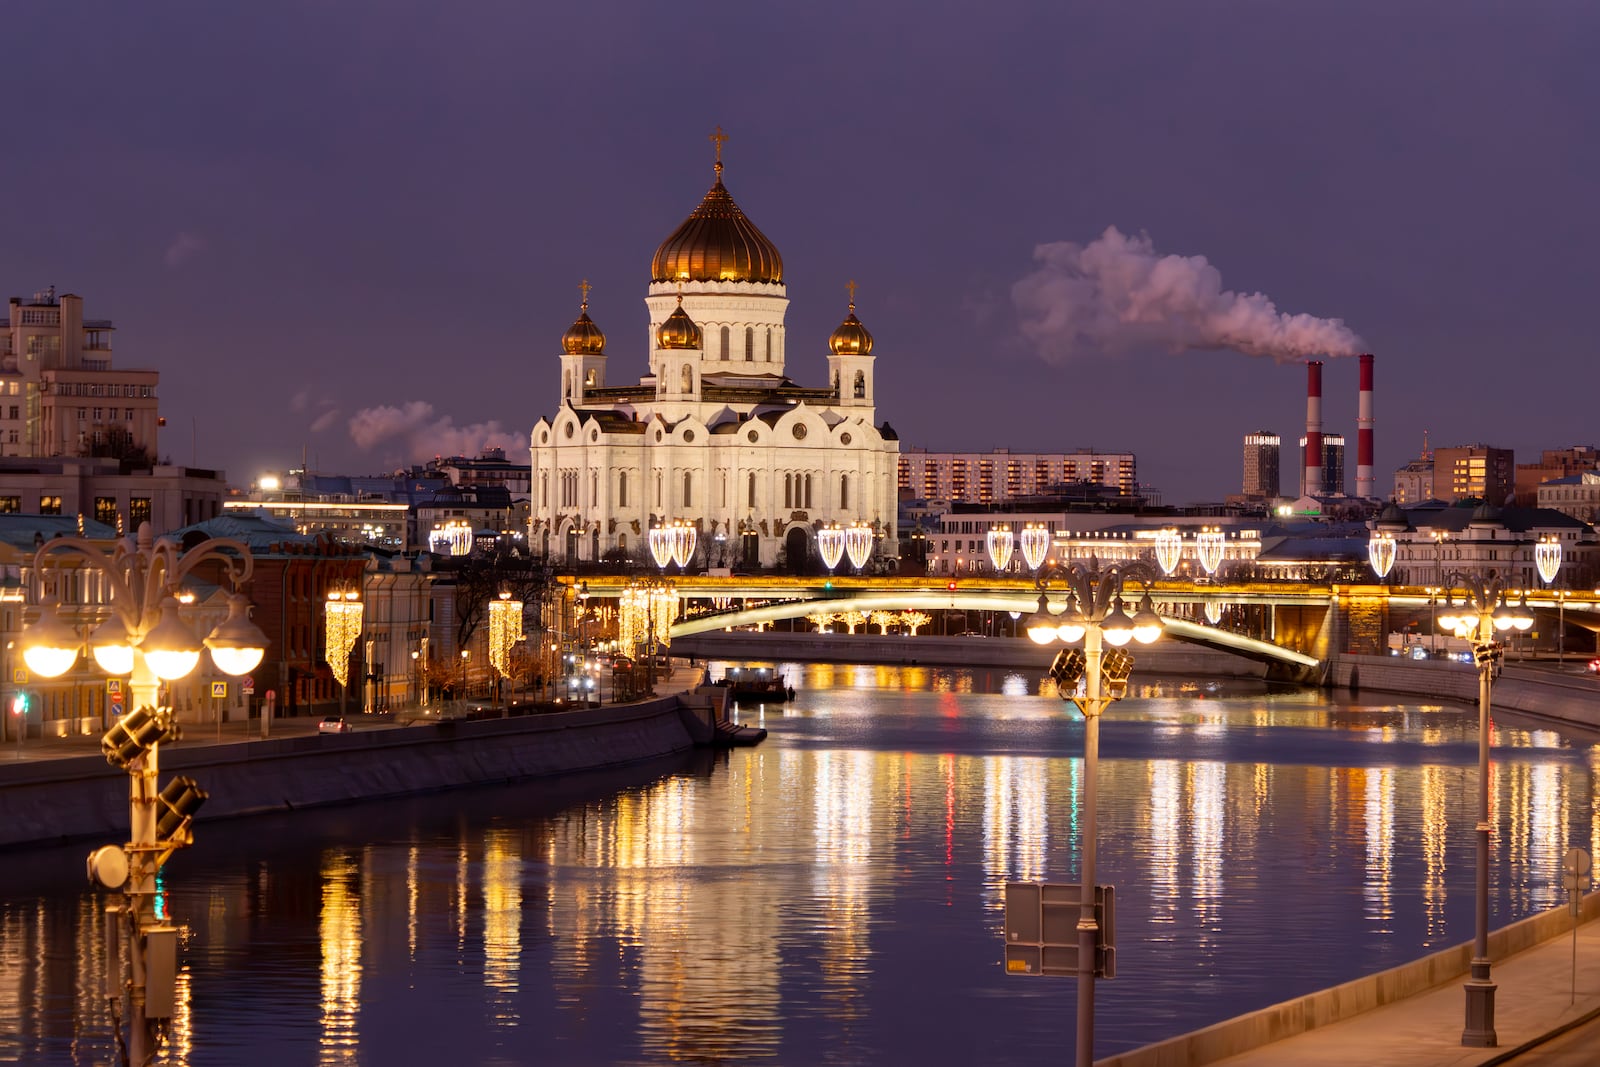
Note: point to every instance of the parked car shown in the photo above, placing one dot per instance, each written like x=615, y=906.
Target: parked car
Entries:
x=333, y=724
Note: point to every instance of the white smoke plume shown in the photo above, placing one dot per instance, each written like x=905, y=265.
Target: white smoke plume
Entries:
x=1118, y=292
x=419, y=435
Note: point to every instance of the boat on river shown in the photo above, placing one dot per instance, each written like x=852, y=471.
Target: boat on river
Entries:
x=757, y=685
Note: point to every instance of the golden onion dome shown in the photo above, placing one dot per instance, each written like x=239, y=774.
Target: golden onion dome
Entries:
x=717, y=243
x=851, y=338
x=583, y=337
x=679, y=330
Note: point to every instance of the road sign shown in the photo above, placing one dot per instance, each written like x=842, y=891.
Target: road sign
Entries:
x=249, y=685
x=219, y=690
x=19, y=676
x=1577, y=861
x=116, y=708
x=113, y=687
x=1041, y=929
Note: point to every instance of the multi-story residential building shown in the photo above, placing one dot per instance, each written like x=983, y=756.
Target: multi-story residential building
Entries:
x=60, y=394
x=1413, y=483
x=1476, y=472
x=1001, y=475
x=1553, y=463
x=1577, y=495
x=1261, y=458
x=111, y=492
x=1332, y=467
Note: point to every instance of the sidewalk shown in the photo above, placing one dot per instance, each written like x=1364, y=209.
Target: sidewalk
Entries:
x=1534, y=1001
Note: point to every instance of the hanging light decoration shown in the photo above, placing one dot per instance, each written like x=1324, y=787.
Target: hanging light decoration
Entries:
x=684, y=536
x=505, y=630
x=1000, y=544
x=1547, y=557
x=454, y=538
x=343, y=620
x=830, y=544
x=1213, y=611
x=1209, y=543
x=1169, y=550
x=661, y=544
x=1380, y=553
x=663, y=610
x=858, y=544
x=633, y=619
x=1035, y=544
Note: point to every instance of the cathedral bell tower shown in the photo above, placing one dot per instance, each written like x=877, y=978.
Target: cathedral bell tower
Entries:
x=680, y=347
x=583, y=356
x=850, y=361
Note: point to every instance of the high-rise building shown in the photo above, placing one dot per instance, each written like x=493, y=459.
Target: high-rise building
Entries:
x=1477, y=471
x=1001, y=475
x=60, y=395
x=1261, y=452
x=1332, y=467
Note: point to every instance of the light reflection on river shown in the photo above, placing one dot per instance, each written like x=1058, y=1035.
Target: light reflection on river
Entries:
x=832, y=896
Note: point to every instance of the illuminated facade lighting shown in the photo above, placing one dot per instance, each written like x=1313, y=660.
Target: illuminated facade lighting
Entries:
x=343, y=625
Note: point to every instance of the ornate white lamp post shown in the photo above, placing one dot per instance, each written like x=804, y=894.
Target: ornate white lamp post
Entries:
x=1208, y=544
x=1000, y=543
x=1547, y=557
x=1094, y=614
x=1035, y=541
x=830, y=545
x=858, y=540
x=1169, y=550
x=1485, y=609
x=146, y=640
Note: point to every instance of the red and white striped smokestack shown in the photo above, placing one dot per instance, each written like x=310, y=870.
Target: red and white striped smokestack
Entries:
x=1312, y=486
x=1364, y=486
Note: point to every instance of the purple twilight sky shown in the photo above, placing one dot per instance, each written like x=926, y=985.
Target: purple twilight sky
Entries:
x=305, y=213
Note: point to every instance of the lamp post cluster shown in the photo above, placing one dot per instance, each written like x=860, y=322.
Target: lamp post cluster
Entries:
x=146, y=641
x=1093, y=613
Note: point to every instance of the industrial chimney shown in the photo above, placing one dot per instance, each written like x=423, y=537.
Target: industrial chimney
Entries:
x=1312, y=483
x=1364, y=486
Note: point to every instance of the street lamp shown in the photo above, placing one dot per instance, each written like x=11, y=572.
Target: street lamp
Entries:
x=151, y=644
x=999, y=541
x=1094, y=613
x=1547, y=557
x=342, y=621
x=465, y=655
x=1484, y=609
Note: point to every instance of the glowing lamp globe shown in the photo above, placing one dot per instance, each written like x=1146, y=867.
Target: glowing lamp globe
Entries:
x=112, y=647
x=1147, y=625
x=237, y=645
x=170, y=648
x=1116, y=627
x=49, y=646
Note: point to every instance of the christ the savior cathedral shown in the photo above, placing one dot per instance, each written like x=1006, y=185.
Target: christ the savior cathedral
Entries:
x=715, y=434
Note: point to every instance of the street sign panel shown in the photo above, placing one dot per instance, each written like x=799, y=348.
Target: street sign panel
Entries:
x=219, y=690
x=1577, y=861
x=1041, y=929
x=113, y=687
x=116, y=708
x=249, y=686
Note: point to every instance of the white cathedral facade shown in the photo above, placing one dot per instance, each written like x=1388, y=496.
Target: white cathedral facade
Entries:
x=715, y=434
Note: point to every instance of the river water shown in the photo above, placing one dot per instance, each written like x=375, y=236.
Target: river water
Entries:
x=833, y=896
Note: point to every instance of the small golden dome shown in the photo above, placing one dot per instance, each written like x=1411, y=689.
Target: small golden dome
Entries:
x=583, y=337
x=679, y=331
x=717, y=243
x=851, y=338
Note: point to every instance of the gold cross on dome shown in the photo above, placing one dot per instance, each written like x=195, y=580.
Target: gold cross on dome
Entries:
x=851, y=285
x=717, y=138
x=585, y=286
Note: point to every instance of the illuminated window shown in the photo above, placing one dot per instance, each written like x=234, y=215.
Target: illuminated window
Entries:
x=10, y=505
x=50, y=505
x=105, y=510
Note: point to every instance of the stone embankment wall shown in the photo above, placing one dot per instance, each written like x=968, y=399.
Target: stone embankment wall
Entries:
x=1562, y=699
x=83, y=797
x=1163, y=657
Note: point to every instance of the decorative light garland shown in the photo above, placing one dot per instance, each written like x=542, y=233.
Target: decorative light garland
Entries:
x=1209, y=544
x=1169, y=550
x=830, y=543
x=1000, y=543
x=505, y=630
x=1547, y=557
x=858, y=544
x=343, y=625
x=1035, y=544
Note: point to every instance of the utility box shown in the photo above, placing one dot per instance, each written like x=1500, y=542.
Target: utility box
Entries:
x=160, y=971
x=1041, y=929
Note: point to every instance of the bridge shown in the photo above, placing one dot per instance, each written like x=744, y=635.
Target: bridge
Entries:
x=1293, y=625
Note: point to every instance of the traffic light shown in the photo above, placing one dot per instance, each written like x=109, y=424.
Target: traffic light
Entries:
x=951, y=587
x=19, y=703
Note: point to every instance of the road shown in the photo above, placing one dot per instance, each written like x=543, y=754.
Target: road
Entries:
x=1578, y=1047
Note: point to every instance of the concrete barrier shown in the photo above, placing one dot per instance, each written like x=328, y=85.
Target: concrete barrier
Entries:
x=1291, y=1017
x=84, y=797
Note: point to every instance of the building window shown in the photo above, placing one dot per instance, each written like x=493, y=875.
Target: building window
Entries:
x=844, y=491
x=105, y=510
x=807, y=504
x=724, y=344
x=49, y=505
x=861, y=385
x=10, y=505
x=688, y=489
x=622, y=489
x=769, y=344
x=749, y=344
x=752, y=493
x=688, y=378
x=788, y=490
x=127, y=413
x=15, y=412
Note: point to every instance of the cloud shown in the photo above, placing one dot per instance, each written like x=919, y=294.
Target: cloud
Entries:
x=183, y=248
x=419, y=435
x=1117, y=293
x=325, y=420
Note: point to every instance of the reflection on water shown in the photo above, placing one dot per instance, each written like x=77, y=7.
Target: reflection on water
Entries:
x=834, y=895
